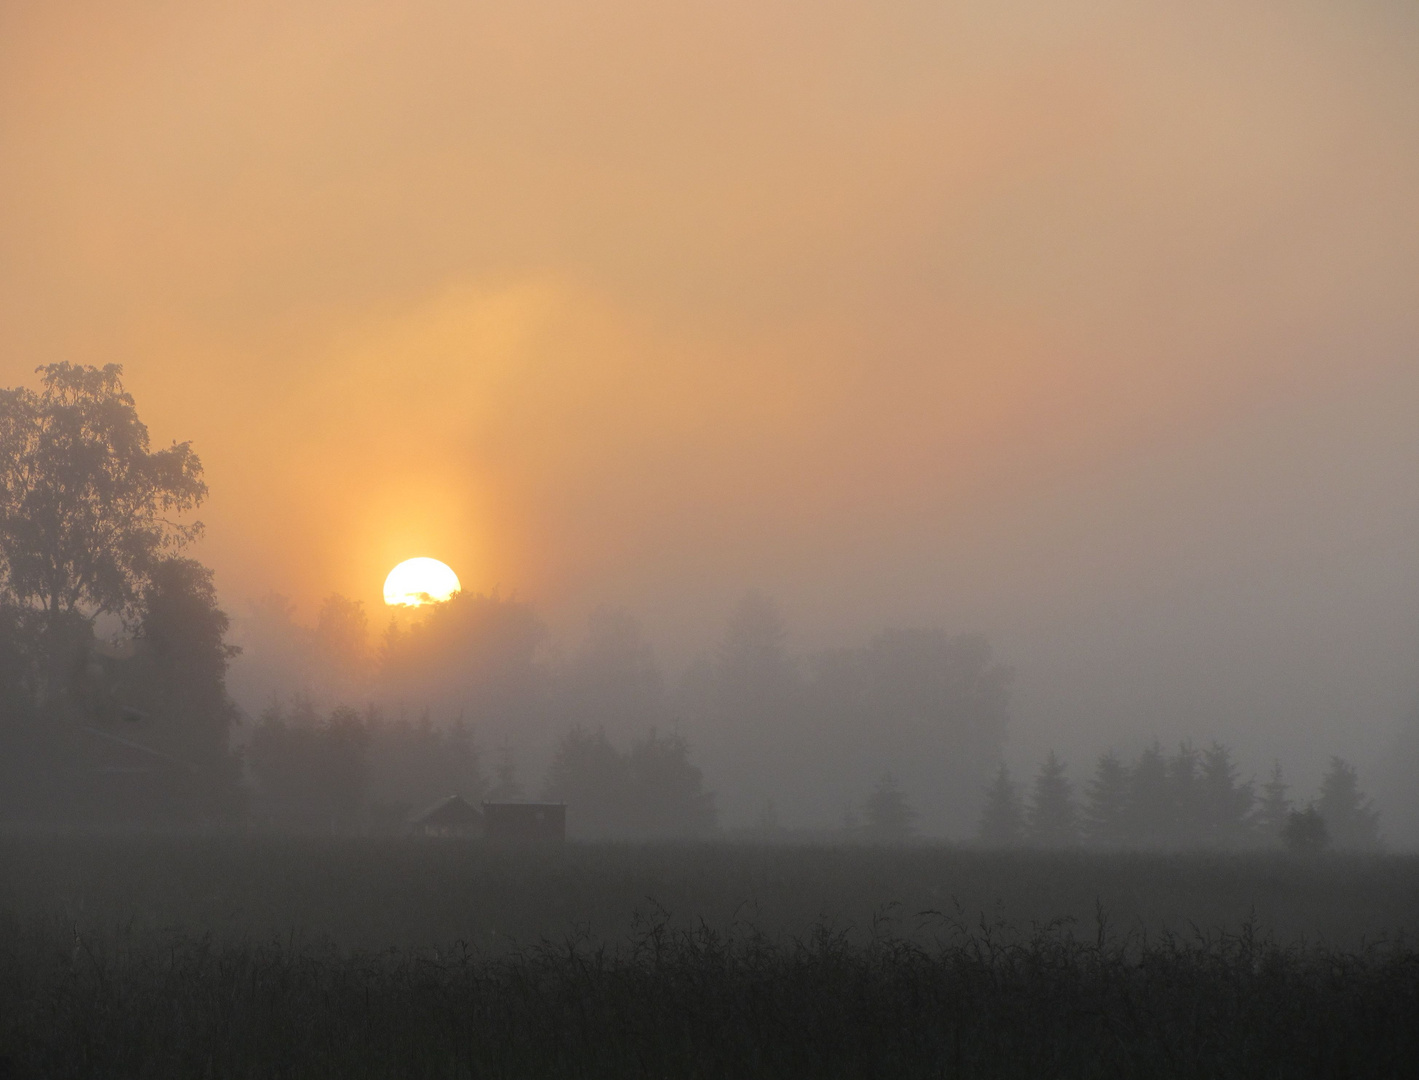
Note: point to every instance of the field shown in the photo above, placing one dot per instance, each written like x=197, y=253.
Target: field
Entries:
x=261, y=956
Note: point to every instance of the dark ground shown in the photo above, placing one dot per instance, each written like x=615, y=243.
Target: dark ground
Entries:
x=125, y=956
x=375, y=893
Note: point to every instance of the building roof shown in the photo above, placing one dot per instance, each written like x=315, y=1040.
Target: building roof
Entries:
x=451, y=812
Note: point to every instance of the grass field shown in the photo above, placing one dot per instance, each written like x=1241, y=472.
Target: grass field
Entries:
x=246, y=957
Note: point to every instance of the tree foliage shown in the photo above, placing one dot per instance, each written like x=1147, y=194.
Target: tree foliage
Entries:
x=1353, y=823
x=312, y=769
x=614, y=682
x=1150, y=799
x=1226, y=802
x=176, y=684
x=889, y=814
x=1052, y=819
x=1105, y=816
x=1002, y=822
x=90, y=526
x=1306, y=832
x=650, y=790
x=86, y=507
x=476, y=654
x=1181, y=801
x=1273, y=808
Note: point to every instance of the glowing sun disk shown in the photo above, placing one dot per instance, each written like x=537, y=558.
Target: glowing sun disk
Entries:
x=415, y=582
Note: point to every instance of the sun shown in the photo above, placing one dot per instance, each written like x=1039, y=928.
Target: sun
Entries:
x=415, y=582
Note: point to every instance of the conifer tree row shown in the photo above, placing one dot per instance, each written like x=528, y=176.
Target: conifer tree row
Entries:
x=1186, y=799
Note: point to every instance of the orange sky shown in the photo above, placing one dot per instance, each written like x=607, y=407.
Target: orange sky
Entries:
x=648, y=303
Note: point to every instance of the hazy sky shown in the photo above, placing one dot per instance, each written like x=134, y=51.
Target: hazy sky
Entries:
x=1088, y=324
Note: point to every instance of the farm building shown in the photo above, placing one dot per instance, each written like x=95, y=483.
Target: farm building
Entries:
x=524, y=822
x=453, y=816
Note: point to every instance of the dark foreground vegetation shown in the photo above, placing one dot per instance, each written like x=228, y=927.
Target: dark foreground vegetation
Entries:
x=705, y=1003
x=244, y=956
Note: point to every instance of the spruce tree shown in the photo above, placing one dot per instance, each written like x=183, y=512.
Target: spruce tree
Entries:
x=1106, y=803
x=1226, y=804
x=1052, y=820
x=1352, y=822
x=1002, y=821
x=506, y=786
x=1184, y=777
x=1150, y=799
x=1273, y=809
x=891, y=818
x=1305, y=832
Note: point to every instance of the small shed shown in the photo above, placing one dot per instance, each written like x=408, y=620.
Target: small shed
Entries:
x=525, y=822
x=453, y=816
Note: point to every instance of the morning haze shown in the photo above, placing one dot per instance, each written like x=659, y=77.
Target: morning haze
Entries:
x=1084, y=327
x=746, y=540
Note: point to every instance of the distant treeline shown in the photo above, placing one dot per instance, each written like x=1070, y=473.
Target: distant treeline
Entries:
x=778, y=733
x=116, y=709
x=354, y=771
x=1187, y=799
x=115, y=704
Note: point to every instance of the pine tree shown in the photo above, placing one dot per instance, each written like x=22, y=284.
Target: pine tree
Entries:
x=1052, y=820
x=1150, y=799
x=1305, y=832
x=1352, y=822
x=506, y=786
x=1184, y=777
x=890, y=817
x=1003, y=819
x=1226, y=804
x=1106, y=803
x=1273, y=809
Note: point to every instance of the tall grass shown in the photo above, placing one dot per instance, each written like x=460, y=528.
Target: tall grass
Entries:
x=705, y=1002
x=245, y=956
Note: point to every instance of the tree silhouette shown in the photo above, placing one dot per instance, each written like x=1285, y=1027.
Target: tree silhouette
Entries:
x=506, y=786
x=312, y=771
x=1188, y=827
x=1273, y=809
x=1151, y=815
x=931, y=705
x=890, y=816
x=85, y=505
x=591, y=777
x=86, y=514
x=1352, y=822
x=176, y=686
x=90, y=527
x=1052, y=818
x=1226, y=802
x=1002, y=821
x=1106, y=803
x=1305, y=832
x=474, y=653
x=342, y=636
x=667, y=791
x=653, y=790
x=753, y=664
x=613, y=682
x=414, y=764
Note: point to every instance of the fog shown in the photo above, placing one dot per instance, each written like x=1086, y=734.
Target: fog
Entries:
x=1085, y=327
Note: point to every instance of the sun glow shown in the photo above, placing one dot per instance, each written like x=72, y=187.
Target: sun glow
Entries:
x=416, y=582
